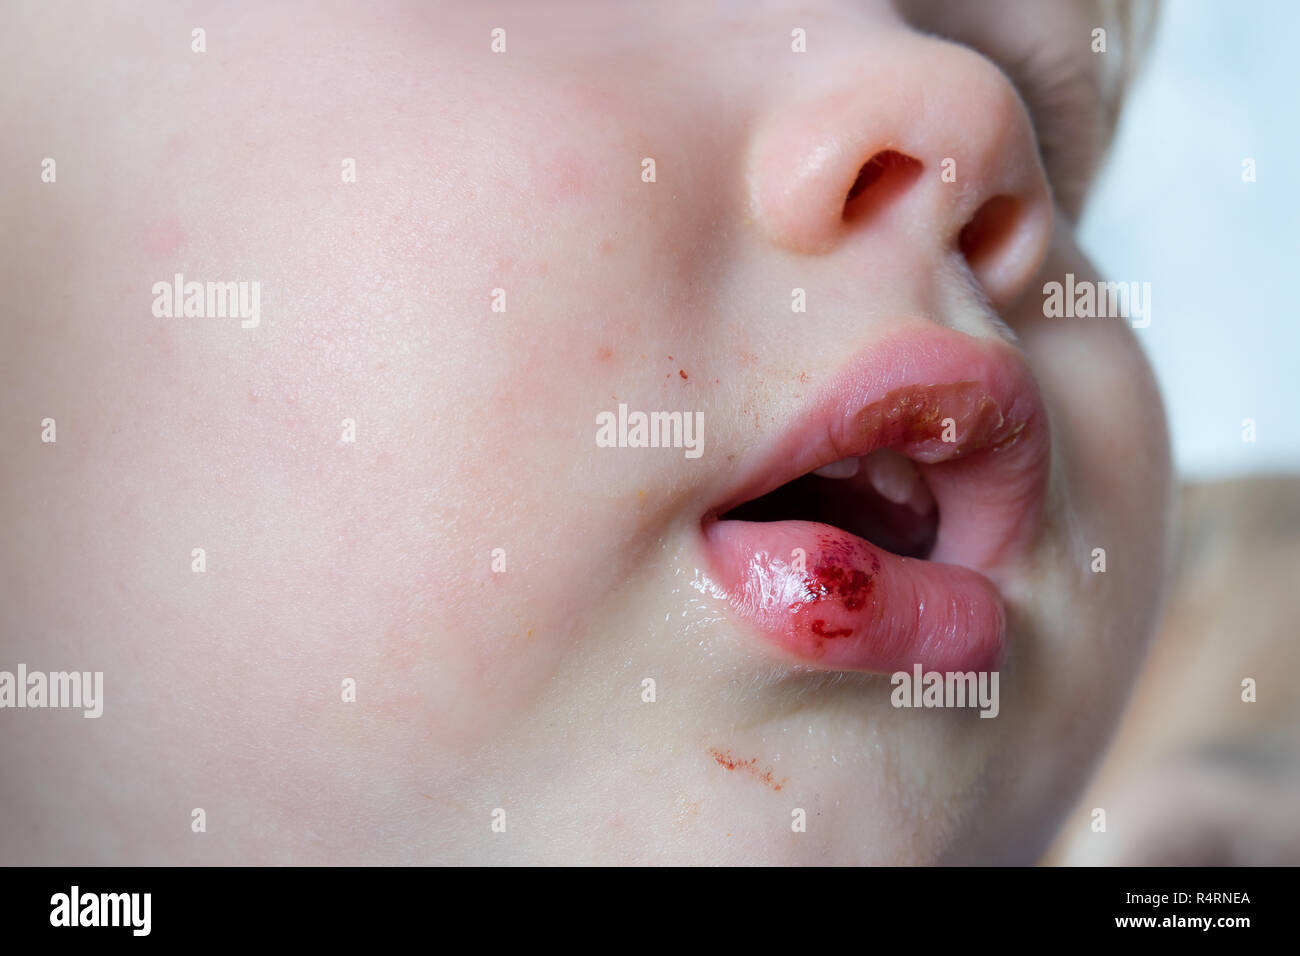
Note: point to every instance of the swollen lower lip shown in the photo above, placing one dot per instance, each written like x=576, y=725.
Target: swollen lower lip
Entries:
x=832, y=600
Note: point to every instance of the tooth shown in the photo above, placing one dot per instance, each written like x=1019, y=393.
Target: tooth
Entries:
x=894, y=476
x=922, y=502
x=844, y=468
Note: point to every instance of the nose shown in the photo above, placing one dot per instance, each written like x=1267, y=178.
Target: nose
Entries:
x=924, y=142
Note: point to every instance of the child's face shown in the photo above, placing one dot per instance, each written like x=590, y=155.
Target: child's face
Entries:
x=517, y=678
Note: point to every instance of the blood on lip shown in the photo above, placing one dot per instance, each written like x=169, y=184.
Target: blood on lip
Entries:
x=793, y=578
x=819, y=628
x=839, y=575
x=850, y=585
x=834, y=599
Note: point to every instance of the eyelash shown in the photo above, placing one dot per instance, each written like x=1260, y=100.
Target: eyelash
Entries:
x=1055, y=93
x=1041, y=86
x=1068, y=111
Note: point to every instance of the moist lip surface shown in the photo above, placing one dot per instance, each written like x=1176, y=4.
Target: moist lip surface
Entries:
x=852, y=606
x=967, y=412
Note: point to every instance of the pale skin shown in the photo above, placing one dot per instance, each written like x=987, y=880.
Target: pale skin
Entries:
x=372, y=561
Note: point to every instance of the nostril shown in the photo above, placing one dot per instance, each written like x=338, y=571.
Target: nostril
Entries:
x=989, y=230
x=882, y=177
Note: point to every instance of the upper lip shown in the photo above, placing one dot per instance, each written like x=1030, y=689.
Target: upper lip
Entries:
x=989, y=484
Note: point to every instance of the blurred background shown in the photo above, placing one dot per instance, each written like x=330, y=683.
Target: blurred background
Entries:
x=1221, y=83
x=1198, y=774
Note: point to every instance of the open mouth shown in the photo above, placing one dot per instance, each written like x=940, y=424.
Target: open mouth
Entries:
x=881, y=497
x=864, y=538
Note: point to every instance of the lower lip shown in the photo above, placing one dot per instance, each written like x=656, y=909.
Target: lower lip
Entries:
x=834, y=600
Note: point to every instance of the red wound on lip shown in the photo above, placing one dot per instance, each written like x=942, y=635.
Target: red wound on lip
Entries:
x=850, y=585
x=840, y=576
x=969, y=413
x=853, y=606
x=819, y=628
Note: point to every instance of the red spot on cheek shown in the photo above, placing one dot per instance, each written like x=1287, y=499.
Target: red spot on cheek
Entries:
x=566, y=176
x=750, y=766
x=681, y=373
x=724, y=760
x=604, y=353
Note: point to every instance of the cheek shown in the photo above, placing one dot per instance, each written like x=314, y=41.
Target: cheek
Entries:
x=1113, y=467
x=1106, y=403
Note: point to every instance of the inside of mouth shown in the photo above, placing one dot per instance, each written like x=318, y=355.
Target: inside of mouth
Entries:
x=854, y=505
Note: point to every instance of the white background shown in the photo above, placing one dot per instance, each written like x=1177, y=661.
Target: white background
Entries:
x=1221, y=82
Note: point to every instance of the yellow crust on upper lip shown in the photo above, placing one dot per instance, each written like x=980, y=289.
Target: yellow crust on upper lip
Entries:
x=910, y=420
